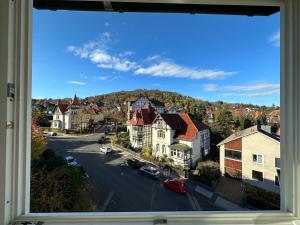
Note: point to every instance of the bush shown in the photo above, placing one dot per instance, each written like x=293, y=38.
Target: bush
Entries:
x=147, y=152
x=56, y=187
x=115, y=139
x=208, y=170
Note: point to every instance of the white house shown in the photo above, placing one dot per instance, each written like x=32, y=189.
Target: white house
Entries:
x=64, y=113
x=180, y=138
x=252, y=155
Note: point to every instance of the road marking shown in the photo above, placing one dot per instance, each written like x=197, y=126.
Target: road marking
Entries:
x=194, y=203
x=107, y=201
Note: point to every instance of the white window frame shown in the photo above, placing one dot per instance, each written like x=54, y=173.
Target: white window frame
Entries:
x=15, y=67
x=257, y=162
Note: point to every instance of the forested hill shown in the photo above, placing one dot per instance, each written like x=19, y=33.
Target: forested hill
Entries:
x=189, y=104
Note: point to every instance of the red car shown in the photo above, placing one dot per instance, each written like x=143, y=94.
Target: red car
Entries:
x=176, y=185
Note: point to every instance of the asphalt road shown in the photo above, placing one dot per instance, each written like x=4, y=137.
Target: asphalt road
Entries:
x=124, y=189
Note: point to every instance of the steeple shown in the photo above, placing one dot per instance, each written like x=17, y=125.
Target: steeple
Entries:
x=75, y=100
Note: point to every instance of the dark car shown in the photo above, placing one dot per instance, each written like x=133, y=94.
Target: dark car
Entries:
x=101, y=141
x=150, y=171
x=83, y=172
x=176, y=185
x=134, y=163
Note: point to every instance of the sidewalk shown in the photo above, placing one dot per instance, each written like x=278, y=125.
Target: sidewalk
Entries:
x=214, y=197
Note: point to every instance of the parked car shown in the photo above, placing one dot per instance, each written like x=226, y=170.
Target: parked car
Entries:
x=52, y=133
x=176, y=185
x=105, y=150
x=150, y=171
x=71, y=161
x=134, y=163
x=83, y=172
x=101, y=141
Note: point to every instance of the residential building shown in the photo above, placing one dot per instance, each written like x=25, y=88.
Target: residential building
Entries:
x=134, y=104
x=252, y=155
x=64, y=113
x=140, y=127
x=184, y=140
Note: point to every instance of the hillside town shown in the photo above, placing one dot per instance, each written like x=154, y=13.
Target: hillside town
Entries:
x=229, y=154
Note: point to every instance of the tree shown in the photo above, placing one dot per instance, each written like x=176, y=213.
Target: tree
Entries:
x=248, y=122
x=38, y=142
x=115, y=139
x=147, y=152
x=56, y=187
x=40, y=118
x=83, y=119
x=117, y=117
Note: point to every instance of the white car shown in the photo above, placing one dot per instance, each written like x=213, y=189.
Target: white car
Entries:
x=71, y=161
x=150, y=171
x=105, y=150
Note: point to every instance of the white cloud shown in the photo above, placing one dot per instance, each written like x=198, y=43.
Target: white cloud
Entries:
x=275, y=39
x=100, y=78
x=153, y=58
x=126, y=53
x=256, y=94
x=210, y=87
x=83, y=76
x=254, y=87
x=170, y=69
x=156, y=84
x=76, y=82
x=253, y=90
x=97, y=53
x=106, y=24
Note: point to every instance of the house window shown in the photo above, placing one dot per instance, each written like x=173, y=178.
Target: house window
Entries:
x=173, y=152
x=233, y=154
x=277, y=162
x=163, y=149
x=257, y=159
x=160, y=134
x=157, y=147
x=257, y=175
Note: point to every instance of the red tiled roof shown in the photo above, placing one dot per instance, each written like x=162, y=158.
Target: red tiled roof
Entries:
x=174, y=121
x=143, y=116
x=63, y=107
x=192, y=127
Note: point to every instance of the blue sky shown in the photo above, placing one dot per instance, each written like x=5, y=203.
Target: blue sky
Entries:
x=211, y=57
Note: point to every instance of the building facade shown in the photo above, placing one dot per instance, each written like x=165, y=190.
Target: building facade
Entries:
x=63, y=116
x=140, y=127
x=183, y=140
x=252, y=155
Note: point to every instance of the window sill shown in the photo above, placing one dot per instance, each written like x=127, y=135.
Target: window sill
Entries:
x=145, y=218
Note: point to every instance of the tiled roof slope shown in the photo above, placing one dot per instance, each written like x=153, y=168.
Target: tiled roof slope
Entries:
x=246, y=132
x=186, y=128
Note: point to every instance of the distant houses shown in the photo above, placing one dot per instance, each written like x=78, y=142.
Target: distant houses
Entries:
x=252, y=155
x=74, y=115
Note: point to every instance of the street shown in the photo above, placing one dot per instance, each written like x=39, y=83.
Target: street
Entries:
x=122, y=188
